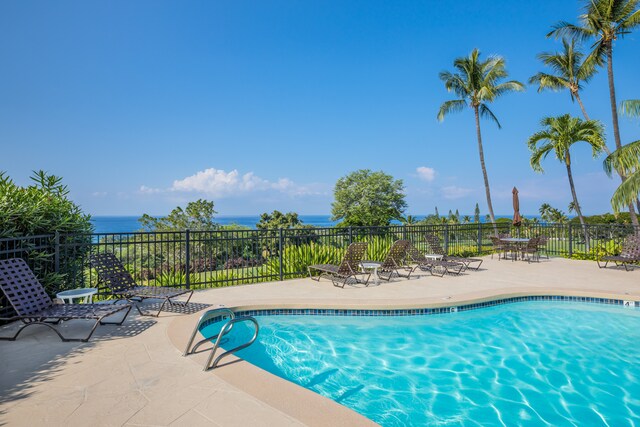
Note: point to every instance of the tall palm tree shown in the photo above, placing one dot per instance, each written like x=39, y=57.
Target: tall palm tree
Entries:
x=626, y=159
x=570, y=71
x=476, y=83
x=558, y=135
x=605, y=21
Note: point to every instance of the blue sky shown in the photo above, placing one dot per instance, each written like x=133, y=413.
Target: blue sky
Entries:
x=262, y=105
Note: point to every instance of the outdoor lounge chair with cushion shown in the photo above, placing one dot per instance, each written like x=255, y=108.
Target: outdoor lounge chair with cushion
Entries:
x=395, y=260
x=118, y=280
x=433, y=265
x=437, y=248
x=630, y=254
x=348, y=269
x=34, y=307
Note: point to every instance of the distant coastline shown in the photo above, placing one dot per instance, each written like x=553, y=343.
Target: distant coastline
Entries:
x=126, y=224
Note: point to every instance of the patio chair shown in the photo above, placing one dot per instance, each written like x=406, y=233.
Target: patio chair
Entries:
x=395, y=261
x=433, y=265
x=120, y=284
x=348, y=269
x=542, y=246
x=630, y=254
x=34, y=307
x=436, y=247
x=499, y=247
x=532, y=248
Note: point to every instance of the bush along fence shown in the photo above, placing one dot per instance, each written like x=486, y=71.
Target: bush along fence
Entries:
x=201, y=259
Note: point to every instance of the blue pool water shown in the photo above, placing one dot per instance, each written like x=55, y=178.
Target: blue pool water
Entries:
x=532, y=363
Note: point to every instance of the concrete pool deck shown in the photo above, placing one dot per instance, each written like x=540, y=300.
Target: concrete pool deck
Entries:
x=135, y=374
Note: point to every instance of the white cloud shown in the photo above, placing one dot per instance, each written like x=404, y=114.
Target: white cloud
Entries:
x=453, y=192
x=219, y=183
x=99, y=194
x=426, y=174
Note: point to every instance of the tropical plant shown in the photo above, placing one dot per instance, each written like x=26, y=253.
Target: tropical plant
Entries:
x=570, y=71
x=627, y=160
x=476, y=214
x=44, y=208
x=605, y=21
x=559, y=135
x=631, y=107
x=366, y=198
x=476, y=83
x=408, y=220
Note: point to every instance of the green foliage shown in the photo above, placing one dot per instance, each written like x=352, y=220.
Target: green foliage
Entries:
x=174, y=278
x=607, y=218
x=602, y=249
x=296, y=259
x=44, y=208
x=41, y=208
x=197, y=216
x=365, y=198
x=550, y=214
x=277, y=219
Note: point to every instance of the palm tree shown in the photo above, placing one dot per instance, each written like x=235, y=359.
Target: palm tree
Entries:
x=408, y=220
x=626, y=159
x=570, y=72
x=605, y=21
x=559, y=135
x=545, y=212
x=476, y=84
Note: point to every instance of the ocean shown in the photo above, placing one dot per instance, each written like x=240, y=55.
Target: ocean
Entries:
x=127, y=224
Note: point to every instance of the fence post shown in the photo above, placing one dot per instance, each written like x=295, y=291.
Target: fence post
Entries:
x=280, y=247
x=479, y=237
x=570, y=241
x=187, y=258
x=446, y=239
x=56, y=252
x=350, y=235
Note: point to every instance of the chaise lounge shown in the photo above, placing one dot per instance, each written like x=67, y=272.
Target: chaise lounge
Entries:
x=437, y=248
x=34, y=307
x=630, y=254
x=433, y=265
x=348, y=269
x=118, y=280
x=394, y=262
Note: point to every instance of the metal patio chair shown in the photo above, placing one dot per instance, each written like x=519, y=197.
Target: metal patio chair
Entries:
x=118, y=280
x=349, y=268
x=630, y=254
x=433, y=265
x=34, y=307
x=436, y=247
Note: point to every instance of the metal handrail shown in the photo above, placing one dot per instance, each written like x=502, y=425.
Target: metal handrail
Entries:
x=225, y=329
x=216, y=312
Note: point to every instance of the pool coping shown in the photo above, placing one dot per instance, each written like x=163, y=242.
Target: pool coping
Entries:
x=314, y=409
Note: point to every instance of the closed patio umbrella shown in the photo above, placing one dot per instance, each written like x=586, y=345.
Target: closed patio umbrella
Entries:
x=517, y=219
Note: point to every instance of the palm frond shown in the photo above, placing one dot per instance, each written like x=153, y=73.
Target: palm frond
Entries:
x=566, y=29
x=631, y=107
x=625, y=159
x=486, y=113
x=627, y=193
x=452, y=106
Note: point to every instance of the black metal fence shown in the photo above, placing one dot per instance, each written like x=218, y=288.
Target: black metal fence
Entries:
x=200, y=259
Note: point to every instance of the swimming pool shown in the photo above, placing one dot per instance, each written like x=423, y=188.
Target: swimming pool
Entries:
x=530, y=363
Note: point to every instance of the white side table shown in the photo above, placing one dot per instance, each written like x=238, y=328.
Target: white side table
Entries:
x=435, y=257
x=67, y=297
x=372, y=265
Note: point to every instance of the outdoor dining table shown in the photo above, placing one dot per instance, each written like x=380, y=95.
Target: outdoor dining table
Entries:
x=518, y=241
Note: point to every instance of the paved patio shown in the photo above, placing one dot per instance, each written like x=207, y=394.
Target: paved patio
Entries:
x=135, y=374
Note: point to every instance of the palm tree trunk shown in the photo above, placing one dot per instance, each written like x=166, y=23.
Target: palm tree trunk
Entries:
x=576, y=204
x=614, y=115
x=484, y=170
x=576, y=95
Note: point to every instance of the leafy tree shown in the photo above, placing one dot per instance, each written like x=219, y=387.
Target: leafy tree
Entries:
x=550, y=214
x=366, y=198
x=277, y=219
x=466, y=219
x=437, y=215
x=476, y=214
x=197, y=216
x=559, y=135
x=605, y=21
x=44, y=208
x=570, y=71
x=476, y=84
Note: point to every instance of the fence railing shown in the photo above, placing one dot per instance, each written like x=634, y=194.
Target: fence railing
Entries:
x=199, y=259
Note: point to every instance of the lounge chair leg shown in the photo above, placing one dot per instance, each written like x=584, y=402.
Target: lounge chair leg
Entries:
x=102, y=322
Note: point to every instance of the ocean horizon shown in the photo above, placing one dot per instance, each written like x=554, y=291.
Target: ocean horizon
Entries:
x=129, y=223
